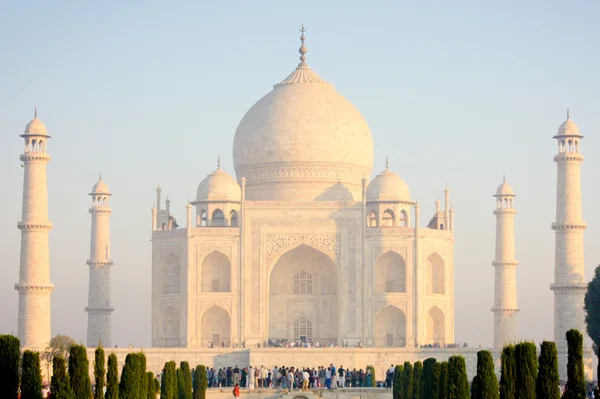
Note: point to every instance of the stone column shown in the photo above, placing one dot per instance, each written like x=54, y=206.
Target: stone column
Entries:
x=505, y=288
x=99, y=307
x=34, y=287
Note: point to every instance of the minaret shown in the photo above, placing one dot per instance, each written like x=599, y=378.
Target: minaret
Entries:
x=34, y=277
x=569, y=282
x=505, y=284
x=99, y=307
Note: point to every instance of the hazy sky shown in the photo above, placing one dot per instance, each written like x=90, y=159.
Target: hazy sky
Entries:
x=149, y=92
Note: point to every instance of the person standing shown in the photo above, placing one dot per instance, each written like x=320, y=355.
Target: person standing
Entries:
x=236, y=391
x=236, y=376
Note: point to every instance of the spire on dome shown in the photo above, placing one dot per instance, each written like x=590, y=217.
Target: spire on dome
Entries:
x=302, y=49
x=568, y=114
x=100, y=176
x=219, y=161
x=504, y=178
x=387, y=163
x=34, y=112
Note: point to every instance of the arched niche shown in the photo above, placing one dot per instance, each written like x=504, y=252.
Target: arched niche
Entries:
x=435, y=276
x=215, y=326
x=390, y=273
x=170, y=327
x=436, y=327
x=215, y=273
x=388, y=219
x=218, y=218
x=390, y=327
x=171, y=276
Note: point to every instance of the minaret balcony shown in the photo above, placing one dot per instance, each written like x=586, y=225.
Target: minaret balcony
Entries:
x=100, y=263
x=568, y=157
x=34, y=226
x=575, y=287
x=35, y=157
x=25, y=287
x=568, y=226
x=505, y=263
x=505, y=310
x=105, y=309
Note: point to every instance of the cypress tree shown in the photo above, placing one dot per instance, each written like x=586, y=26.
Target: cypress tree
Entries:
x=426, y=389
x=525, y=353
x=168, y=382
x=129, y=387
x=187, y=379
x=112, y=378
x=443, y=385
x=408, y=380
x=31, y=376
x=143, y=378
x=181, y=393
x=373, y=380
x=417, y=371
x=99, y=373
x=79, y=372
x=436, y=371
x=548, y=379
x=476, y=388
x=397, y=382
x=60, y=386
x=151, y=391
x=488, y=382
x=200, y=382
x=10, y=356
x=458, y=383
x=508, y=373
x=575, y=376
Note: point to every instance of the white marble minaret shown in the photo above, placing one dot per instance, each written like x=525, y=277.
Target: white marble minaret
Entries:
x=569, y=282
x=505, y=287
x=34, y=277
x=99, y=307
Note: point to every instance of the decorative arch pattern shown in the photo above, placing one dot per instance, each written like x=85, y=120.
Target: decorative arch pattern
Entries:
x=215, y=326
x=215, y=273
x=171, y=276
x=388, y=218
x=218, y=218
x=435, y=281
x=390, y=327
x=372, y=219
x=171, y=327
x=436, y=327
x=390, y=273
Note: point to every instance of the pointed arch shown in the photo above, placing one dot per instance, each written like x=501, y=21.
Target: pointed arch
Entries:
x=215, y=326
x=403, y=218
x=171, y=275
x=390, y=273
x=436, y=327
x=372, y=219
x=435, y=280
x=388, y=218
x=215, y=273
x=390, y=327
x=218, y=218
x=171, y=325
x=233, y=218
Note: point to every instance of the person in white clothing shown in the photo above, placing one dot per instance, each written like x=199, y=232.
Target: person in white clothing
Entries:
x=250, y=378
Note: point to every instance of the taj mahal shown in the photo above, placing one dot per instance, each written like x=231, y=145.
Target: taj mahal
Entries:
x=302, y=245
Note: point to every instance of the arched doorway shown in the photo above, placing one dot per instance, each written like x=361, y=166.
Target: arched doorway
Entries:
x=303, y=297
x=390, y=327
x=215, y=273
x=215, y=326
x=436, y=327
x=390, y=273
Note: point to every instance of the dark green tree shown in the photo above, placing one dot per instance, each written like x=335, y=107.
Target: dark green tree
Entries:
x=417, y=371
x=373, y=380
x=79, y=369
x=427, y=377
x=397, y=382
x=458, y=383
x=592, y=308
x=60, y=386
x=187, y=379
x=129, y=387
x=10, y=356
x=168, y=382
x=181, y=393
x=488, y=382
x=476, y=387
x=200, y=382
x=575, y=376
x=152, y=391
x=408, y=381
x=508, y=373
x=443, y=385
x=112, y=378
x=525, y=354
x=99, y=373
x=31, y=376
x=436, y=371
x=548, y=379
x=143, y=378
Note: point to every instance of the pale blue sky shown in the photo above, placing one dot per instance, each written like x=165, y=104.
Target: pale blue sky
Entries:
x=148, y=92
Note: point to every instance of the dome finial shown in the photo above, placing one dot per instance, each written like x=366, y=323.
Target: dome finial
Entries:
x=302, y=49
x=100, y=176
x=504, y=178
x=568, y=114
x=35, y=112
x=219, y=161
x=387, y=163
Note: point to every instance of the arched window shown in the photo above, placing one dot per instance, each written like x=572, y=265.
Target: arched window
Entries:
x=218, y=218
x=435, y=275
x=372, y=222
x=215, y=273
x=170, y=327
x=436, y=327
x=302, y=329
x=203, y=218
x=41, y=146
x=233, y=216
x=403, y=218
x=390, y=273
x=303, y=283
x=171, y=275
x=388, y=218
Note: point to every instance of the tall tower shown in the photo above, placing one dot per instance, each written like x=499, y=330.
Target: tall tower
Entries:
x=99, y=306
x=34, y=285
x=505, y=284
x=569, y=283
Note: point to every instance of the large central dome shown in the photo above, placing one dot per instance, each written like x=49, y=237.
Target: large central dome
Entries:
x=303, y=141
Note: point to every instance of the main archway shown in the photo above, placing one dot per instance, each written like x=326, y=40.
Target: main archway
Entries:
x=303, y=297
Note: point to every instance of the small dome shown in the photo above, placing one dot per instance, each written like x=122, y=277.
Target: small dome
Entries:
x=100, y=188
x=387, y=186
x=505, y=190
x=219, y=186
x=568, y=128
x=35, y=128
